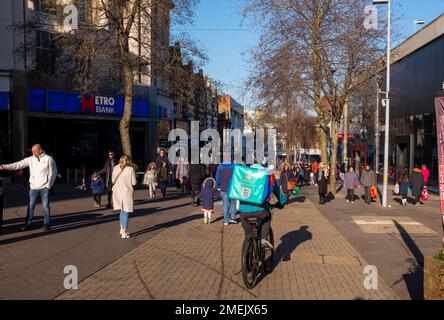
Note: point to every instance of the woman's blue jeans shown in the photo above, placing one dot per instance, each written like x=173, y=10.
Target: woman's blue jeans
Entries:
x=124, y=217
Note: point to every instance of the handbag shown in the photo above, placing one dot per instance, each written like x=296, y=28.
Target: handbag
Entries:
x=396, y=189
x=373, y=192
x=425, y=194
x=291, y=185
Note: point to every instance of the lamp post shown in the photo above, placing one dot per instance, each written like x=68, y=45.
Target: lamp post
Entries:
x=386, y=103
x=415, y=22
x=377, y=132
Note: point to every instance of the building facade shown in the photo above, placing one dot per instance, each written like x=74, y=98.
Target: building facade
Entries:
x=39, y=103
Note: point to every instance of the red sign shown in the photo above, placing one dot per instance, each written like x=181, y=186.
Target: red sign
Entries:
x=88, y=104
x=439, y=109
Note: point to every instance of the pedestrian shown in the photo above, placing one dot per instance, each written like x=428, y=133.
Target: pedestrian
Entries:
x=224, y=174
x=107, y=170
x=367, y=181
x=426, y=173
x=404, y=185
x=207, y=197
x=163, y=178
x=150, y=178
x=97, y=188
x=307, y=176
x=197, y=174
x=182, y=173
x=301, y=175
x=322, y=181
x=161, y=158
x=342, y=172
x=417, y=183
x=43, y=173
x=284, y=180
x=314, y=169
x=123, y=180
x=351, y=183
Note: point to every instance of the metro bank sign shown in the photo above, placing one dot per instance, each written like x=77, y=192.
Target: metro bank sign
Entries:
x=98, y=104
x=69, y=102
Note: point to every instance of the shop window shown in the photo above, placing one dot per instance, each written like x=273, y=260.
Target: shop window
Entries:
x=45, y=52
x=46, y=6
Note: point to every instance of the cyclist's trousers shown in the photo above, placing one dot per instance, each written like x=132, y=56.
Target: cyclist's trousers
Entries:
x=264, y=222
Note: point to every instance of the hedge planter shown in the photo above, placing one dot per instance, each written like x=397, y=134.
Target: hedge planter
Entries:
x=433, y=279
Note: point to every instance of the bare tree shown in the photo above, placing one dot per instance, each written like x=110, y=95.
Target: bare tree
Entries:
x=118, y=43
x=328, y=52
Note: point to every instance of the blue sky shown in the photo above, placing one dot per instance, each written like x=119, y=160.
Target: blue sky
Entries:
x=218, y=28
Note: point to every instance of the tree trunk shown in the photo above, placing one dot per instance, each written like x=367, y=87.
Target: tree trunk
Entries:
x=345, y=140
x=323, y=138
x=334, y=140
x=126, y=118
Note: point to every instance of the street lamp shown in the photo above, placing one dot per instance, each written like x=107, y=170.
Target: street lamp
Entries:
x=420, y=21
x=386, y=102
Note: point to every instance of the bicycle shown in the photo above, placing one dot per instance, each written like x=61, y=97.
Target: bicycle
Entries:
x=254, y=255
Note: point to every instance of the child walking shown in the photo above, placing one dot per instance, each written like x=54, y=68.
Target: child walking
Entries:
x=97, y=187
x=207, y=197
x=351, y=183
x=404, y=185
x=149, y=179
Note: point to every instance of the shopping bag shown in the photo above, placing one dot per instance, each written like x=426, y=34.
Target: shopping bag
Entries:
x=291, y=185
x=373, y=192
x=249, y=185
x=396, y=189
x=425, y=194
x=296, y=192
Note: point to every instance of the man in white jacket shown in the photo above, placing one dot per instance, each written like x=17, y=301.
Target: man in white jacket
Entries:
x=42, y=175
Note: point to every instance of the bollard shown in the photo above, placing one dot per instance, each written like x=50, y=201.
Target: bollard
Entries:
x=2, y=190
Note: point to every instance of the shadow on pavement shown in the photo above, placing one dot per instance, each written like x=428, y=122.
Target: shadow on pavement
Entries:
x=415, y=279
x=82, y=220
x=289, y=242
x=167, y=224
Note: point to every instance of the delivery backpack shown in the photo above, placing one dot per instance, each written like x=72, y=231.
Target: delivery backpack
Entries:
x=249, y=185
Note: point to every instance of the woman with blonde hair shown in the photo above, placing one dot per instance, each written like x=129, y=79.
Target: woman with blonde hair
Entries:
x=322, y=182
x=123, y=180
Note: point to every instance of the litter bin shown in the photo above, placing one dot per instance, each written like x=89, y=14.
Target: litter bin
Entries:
x=2, y=189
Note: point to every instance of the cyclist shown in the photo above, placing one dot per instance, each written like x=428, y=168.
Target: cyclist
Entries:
x=260, y=211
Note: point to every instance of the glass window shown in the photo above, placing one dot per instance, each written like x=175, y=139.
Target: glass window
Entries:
x=45, y=52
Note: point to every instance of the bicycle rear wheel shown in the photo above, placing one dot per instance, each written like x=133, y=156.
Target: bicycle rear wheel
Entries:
x=249, y=264
x=269, y=254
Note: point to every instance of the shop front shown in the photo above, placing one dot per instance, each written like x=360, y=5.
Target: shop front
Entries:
x=5, y=128
x=78, y=130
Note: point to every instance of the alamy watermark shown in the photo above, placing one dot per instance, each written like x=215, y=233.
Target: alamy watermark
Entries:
x=371, y=17
x=71, y=281
x=371, y=280
x=217, y=149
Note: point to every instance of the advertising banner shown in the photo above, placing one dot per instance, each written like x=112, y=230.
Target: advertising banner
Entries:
x=439, y=110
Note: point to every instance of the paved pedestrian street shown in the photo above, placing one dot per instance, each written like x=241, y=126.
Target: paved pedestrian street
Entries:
x=192, y=260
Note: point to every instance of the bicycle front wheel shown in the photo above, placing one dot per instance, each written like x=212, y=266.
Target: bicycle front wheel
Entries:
x=249, y=264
